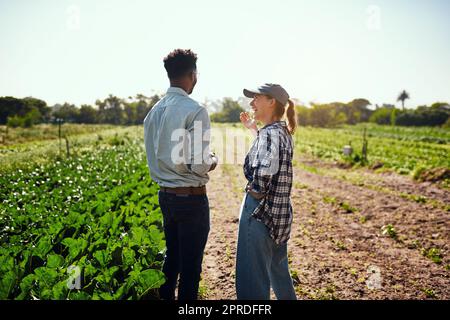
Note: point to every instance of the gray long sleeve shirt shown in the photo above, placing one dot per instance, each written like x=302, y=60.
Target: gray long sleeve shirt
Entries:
x=177, y=137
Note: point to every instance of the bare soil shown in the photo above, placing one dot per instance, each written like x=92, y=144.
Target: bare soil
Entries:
x=337, y=248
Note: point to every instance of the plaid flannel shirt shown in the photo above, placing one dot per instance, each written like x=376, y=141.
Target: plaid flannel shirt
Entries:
x=268, y=169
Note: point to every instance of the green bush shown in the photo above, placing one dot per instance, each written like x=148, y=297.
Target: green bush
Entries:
x=423, y=117
x=26, y=121
x=15, y=122
x=382, y=116
x=447, y=123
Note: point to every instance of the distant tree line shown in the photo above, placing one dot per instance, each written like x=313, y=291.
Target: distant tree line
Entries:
x=337, y=113
x=114, y=110
x=438, y=114
x=334, y=114
x=356, y=111
x=353, y=112
x=26, y=112
x=23, y=112
x=231, y=109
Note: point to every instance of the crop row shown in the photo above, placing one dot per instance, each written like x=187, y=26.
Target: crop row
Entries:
x=85, y=227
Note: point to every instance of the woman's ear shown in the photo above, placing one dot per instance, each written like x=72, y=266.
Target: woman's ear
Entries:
x=273, y=102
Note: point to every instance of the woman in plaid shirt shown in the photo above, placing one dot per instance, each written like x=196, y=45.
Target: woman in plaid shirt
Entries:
x=266, y=211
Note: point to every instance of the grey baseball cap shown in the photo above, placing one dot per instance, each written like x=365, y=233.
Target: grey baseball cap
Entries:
x=274, y=90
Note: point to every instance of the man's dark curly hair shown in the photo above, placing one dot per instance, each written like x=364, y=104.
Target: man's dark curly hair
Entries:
x=180, y=62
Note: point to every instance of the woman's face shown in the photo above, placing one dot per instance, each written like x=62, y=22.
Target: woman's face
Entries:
x=262, y=106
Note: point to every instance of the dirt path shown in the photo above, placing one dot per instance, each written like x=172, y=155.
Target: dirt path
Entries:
x=225, y=195
x=337, y=249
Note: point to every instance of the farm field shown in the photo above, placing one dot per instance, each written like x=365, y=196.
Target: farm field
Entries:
x=407, y=151
x=349, y=223
x=374, y=231
x=11, y=136
x=94, y=214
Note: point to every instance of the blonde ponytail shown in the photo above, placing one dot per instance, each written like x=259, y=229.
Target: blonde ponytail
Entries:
x=290, y=114
x=281, y=110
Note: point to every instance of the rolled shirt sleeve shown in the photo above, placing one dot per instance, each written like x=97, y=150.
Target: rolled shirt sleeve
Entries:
x=199, y=130
x=265, y=162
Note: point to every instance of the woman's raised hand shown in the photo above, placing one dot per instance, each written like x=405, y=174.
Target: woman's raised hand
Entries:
x=247, y=121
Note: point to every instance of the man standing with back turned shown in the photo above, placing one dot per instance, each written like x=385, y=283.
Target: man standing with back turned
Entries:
x=176, y=136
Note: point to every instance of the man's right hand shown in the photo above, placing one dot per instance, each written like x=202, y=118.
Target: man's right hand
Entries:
x=214, y=160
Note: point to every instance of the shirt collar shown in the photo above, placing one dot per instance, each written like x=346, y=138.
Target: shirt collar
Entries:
x=176, y=90
x=276, y=124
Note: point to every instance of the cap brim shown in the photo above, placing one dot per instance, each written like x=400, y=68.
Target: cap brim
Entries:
x=250, y=93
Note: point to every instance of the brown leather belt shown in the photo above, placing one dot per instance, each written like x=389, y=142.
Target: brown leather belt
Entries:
x=185, y=190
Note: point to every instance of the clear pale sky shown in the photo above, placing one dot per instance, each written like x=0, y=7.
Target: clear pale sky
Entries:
x=322, y=51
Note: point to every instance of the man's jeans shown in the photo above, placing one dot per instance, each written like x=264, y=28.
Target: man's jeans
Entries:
x=260, y=262
x=186, y=228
